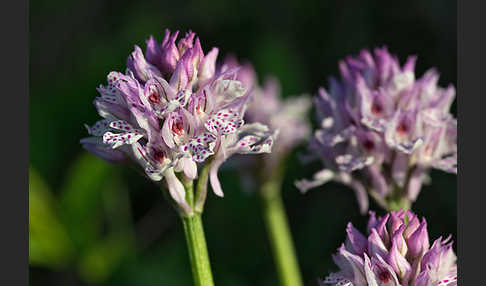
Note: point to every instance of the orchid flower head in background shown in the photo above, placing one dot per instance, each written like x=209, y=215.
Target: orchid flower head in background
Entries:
x=288, y=117
x=381, y=129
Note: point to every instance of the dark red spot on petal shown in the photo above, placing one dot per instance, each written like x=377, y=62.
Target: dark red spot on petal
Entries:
x=402, y=128
x=369, y=145
x=376, y=108
x=384, y=276
x=159, y=156
x=178, y=128
x=154, y=98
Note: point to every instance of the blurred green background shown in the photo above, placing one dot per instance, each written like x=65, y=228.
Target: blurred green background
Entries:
x=92, y=223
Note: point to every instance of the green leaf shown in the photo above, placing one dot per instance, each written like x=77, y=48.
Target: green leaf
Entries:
x=101, y=258
x=49, y=244
x=81, y=198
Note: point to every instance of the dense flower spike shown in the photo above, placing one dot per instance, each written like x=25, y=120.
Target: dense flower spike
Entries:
x=288, y=117
x=395, y=252
x=381, y=129
x=171, y=111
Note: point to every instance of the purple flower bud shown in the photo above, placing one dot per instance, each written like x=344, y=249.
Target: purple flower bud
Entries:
x=418, y=242
x=207, y=67
x=372, y=221
x=355, y=241
x=413, y=224
x=402, y=260
x=169, y=53
x=380, y=226
x=142, y=70
x=399, y=264
x=186, y=42
x=395, y=221
x=376, y=244
x=181, y=76
x=153, y=52
x=399, y=240
x=380, y=117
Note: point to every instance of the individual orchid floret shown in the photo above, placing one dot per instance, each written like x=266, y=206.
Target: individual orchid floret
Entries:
x=172, y=112
x=395, y=251
x=288, y=117
x=381, y=130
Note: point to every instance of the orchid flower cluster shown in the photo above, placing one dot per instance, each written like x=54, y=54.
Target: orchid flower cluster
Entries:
x=381, y=129
x=395, y=252
x=172, y=111
x=288, y=117
x=380, y=132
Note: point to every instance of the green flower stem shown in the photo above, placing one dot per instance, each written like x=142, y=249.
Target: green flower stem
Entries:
x=400, y=203
x=196, y=242
x=398, y=200
x=279, y=232
x=198, y=252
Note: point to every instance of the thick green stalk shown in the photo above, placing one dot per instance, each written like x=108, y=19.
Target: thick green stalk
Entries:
x=196, y=242
x=198, y=252
x=279, y=232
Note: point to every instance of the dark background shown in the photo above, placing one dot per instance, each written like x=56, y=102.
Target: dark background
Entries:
x=92, y=223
